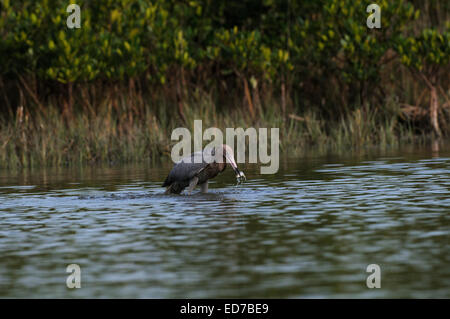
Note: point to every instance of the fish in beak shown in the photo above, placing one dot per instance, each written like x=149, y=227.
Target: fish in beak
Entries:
x=228, y=154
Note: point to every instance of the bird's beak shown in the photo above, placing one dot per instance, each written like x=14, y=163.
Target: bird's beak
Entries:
x=239, y=174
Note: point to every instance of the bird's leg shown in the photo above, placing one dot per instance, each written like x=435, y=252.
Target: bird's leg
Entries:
x=204, y=187
x=192, y=185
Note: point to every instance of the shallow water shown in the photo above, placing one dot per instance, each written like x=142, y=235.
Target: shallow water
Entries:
x=308, y=231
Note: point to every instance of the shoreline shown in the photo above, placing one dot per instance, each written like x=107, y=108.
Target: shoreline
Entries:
x=49, y=139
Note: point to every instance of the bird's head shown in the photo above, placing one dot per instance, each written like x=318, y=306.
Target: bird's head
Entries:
x=228, y=157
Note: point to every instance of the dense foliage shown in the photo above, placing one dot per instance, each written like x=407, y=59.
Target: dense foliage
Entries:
x=302, y=56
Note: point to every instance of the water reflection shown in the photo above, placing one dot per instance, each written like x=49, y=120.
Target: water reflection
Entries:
x=308, y=231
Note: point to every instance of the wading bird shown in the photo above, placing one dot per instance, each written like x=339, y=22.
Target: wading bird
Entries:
x=199, y=167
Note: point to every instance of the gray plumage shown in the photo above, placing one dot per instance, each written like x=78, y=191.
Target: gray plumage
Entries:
x=197, y=169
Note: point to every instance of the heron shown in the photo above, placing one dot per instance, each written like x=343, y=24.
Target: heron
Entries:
x=199, y=167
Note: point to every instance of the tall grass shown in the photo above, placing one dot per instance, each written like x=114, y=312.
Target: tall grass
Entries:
x=114, y=134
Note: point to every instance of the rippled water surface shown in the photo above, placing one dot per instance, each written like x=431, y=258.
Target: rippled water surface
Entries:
x=308, y=231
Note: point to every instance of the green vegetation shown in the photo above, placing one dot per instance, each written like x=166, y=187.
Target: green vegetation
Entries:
x=112, y=90
x=110, y=138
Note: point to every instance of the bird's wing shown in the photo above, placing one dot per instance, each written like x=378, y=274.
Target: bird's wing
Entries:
x=186, y=168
